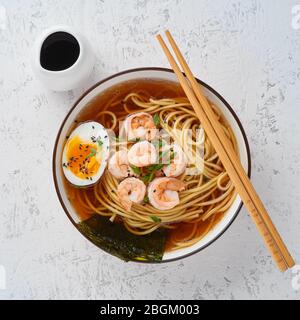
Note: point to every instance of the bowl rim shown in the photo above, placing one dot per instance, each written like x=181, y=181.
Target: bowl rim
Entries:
x=213, y=91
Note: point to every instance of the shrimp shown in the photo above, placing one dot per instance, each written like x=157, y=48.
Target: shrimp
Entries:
x=131, y=190
x=142, y=154
x=178, y=163
x=163, y=192
x=140, y=126
x=118, y=165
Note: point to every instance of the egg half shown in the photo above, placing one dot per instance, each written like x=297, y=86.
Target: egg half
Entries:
x=85, y=154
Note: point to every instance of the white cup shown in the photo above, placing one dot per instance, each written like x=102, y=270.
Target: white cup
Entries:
x=74, y=76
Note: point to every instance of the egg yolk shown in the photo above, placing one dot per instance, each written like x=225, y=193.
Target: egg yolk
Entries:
x=81, y=157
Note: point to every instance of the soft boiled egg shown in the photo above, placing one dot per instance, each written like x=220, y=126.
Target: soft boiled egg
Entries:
x=85, y=154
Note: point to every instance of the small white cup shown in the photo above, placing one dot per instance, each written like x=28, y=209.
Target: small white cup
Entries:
x=72, y=77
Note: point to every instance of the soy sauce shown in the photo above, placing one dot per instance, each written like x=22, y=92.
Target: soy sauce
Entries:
x=59, y=51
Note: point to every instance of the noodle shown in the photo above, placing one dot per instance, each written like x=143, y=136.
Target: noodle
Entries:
x=208, y=194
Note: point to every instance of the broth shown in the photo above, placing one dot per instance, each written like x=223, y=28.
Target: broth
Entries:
x=151, y=88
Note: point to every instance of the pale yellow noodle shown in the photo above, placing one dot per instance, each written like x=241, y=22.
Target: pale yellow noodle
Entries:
x=208, y=193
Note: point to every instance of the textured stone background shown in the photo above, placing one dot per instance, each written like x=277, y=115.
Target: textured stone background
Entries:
x=247, y=50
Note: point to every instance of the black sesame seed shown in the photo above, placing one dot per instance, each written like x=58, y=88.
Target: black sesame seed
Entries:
x=105, y=137
x=93, y=127
x=154, y=190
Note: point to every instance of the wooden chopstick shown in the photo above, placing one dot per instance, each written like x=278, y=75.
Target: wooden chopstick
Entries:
x=259, y=208
x=229, y=158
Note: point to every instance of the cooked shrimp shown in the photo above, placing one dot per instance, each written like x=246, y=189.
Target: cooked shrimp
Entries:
x=131, y=190
x=163, y=192
x=142, y=154
x=178, y=163
x=118, y=165
x=140, y=126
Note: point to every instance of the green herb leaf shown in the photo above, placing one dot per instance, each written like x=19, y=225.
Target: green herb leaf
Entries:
x=158, y=143
x=155, y=219
x=145, y=178
x=156, y=119
x=172, y=156
x=134, y=140
x=93, y=152
x=136, y=170
x=146, y=199
x=148, y=177
x=151, y=177
x=164, y=154
x=118, y=139
x=155, y=167
x=100, y=142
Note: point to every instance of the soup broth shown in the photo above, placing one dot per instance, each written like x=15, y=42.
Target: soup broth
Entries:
x=112, y=100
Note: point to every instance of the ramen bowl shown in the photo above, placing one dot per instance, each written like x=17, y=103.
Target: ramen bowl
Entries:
x=160, y=74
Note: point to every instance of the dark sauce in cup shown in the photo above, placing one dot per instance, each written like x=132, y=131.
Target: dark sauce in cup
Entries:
x=60, y=50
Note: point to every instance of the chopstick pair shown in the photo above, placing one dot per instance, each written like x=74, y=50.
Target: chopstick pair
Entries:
x=228, y=157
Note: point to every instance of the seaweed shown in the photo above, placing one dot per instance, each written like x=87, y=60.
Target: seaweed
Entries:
x=115, y=239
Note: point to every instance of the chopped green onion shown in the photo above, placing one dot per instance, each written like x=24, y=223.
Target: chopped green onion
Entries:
x=164, y=154
x=158, y=143
x=118, y=139
x=155, y=167
x=155, y=219
x=134, y=140
x=100, y=142
x=156, y=119
x=93, y=152
x=173, y=155
x=136, y=170
x=148, y=177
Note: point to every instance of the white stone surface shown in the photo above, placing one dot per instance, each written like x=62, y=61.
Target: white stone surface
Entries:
x=246, y=49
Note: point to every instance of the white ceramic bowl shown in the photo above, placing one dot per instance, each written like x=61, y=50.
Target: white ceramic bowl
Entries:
x=165, y=74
